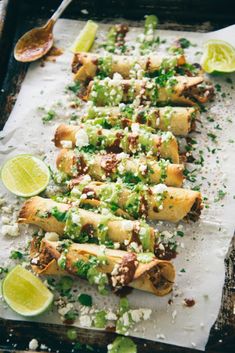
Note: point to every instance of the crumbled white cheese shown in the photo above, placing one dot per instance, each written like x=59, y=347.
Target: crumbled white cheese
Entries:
x=85, y=320
x=66, y=144
x=111, y=316
x=125, y=318
x=134, y=246
x=64, y=310
x=146, y=313
x=127, y=225
x=33, y=344
x=174, y=313
x=121, y=168
x=116, y=245
x=167, y=136
x=167, y=234
x=6, y=220
x=115, y=270
x=84, y=12
x=143, y=168
x=51, y=236
x=135, y=127
x=12, y=230
x=159, y=188
x=117, y=77
x=75, y=218
x=82, y=138
x=7, y=209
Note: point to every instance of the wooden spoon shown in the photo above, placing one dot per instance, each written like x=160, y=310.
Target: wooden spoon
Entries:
x=38, y=41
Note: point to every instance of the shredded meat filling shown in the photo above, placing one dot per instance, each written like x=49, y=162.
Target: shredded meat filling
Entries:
x=124, y=272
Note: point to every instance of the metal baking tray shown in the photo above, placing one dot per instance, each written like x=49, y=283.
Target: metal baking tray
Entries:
x=191, y=15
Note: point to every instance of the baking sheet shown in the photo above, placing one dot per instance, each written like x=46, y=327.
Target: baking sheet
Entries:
x=200, y=262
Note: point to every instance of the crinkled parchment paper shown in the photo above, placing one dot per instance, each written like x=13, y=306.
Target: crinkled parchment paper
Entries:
x=200, y=262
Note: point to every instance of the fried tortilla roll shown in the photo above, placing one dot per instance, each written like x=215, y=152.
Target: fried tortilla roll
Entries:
x=88, y=65
x=160, y=91
x=112, y=166
x=158, y=202
x=162, y=145
x=178, y=120
x=81, y=225
x=115, y=267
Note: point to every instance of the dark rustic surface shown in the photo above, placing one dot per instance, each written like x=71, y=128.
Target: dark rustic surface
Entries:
x=190, y=15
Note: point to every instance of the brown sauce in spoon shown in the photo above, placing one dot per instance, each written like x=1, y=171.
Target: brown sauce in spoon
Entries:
x=35, y=43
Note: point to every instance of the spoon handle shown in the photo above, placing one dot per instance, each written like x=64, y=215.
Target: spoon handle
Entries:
x=60, y=9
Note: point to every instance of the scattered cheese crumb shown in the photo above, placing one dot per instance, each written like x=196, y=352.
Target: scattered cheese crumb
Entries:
x=33, y=344
x=12, y=230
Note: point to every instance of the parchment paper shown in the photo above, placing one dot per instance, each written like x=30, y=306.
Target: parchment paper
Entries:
x=200, y=262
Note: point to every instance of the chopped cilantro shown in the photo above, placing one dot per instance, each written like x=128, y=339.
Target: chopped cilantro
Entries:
x=50, y=115
x=82, y=268
x=212, y=136
x=179, y=233
x=75, y=87
x=218, y=127
x=131, y=178
x=220, y=195
x=3, y=270
x=196, y=188
x=85, y=299
x=16, y=255
x=184, y=43
x=218, y=87
x=182, y=270
x=229, y=80
x=64, y=285
x=70, y=315
x=60, y=216
x=210, y=119
x=189, y=175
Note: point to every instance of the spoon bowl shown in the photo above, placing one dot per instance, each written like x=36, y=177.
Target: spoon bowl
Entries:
x=35, y=43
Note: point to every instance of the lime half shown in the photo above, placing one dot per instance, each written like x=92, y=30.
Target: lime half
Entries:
x=25, y=175
x=219, y=56
x=86, y=38
x=25, y=293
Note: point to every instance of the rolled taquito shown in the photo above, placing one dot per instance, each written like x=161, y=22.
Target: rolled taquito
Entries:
x=113, y=166
x=154, y=203
x=70, y=221
x=101, y=267
x=178, y=120
x=162, y=145
x=87, y=65
x=180, y=90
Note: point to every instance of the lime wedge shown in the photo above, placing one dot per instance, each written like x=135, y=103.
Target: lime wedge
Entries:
x=25, y=293
x=86, y=38
x=219, y=56
x=25, y=175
